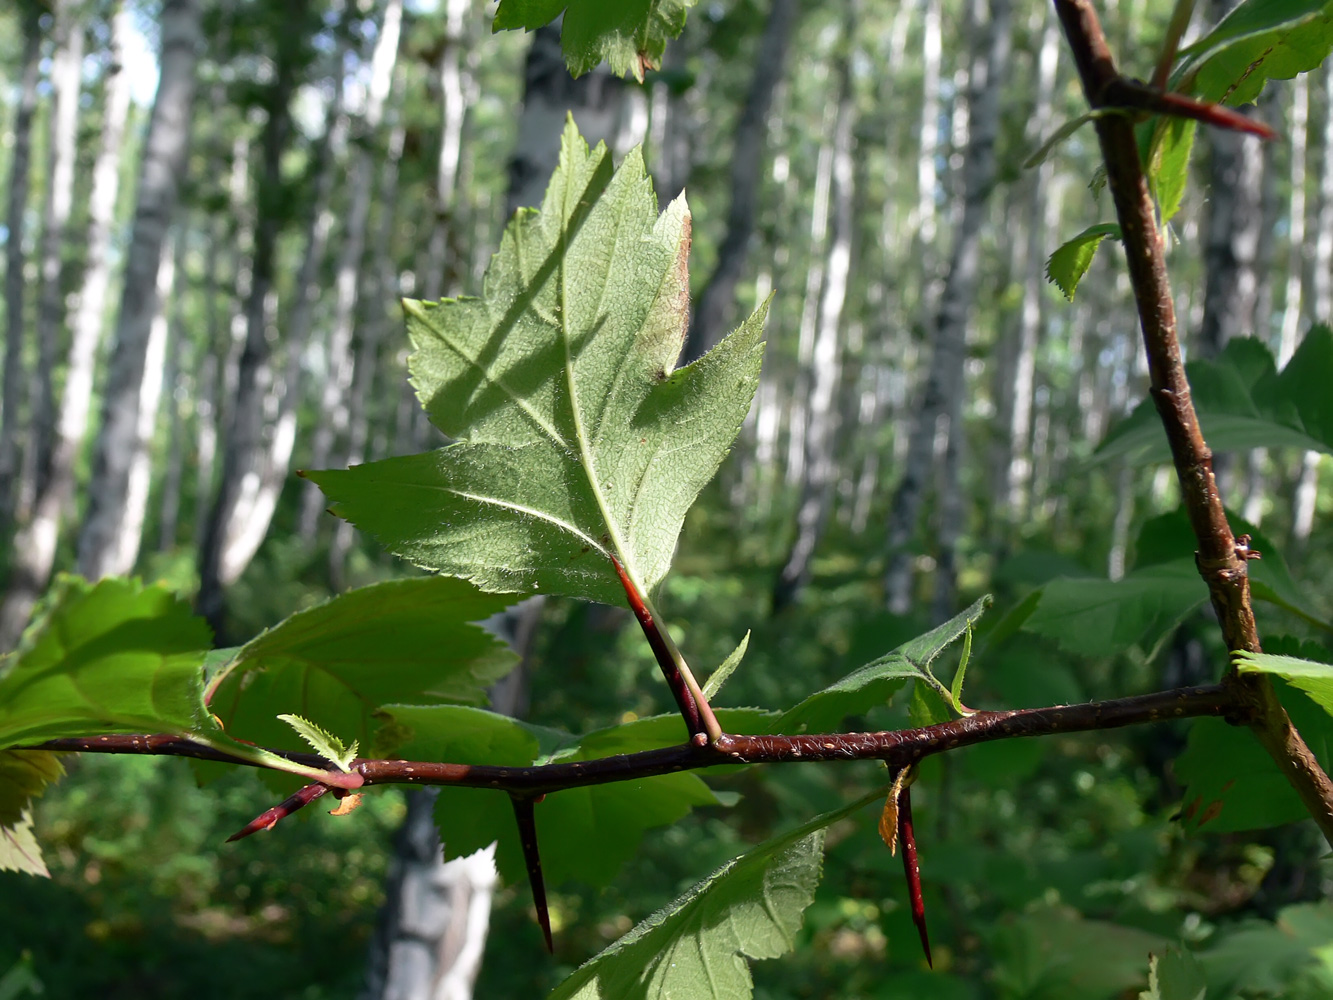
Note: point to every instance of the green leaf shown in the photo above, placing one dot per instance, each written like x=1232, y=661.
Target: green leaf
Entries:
x=1168, y=170
x=1261, y=958
x=576, y=439
x=1315, y=679
x=325, y=743
x=1243, y=403
x=720, y=675
x=956, y=688
x=1258, y=41
x=927, y=707
x=1231, y=783
x=877, y=682
x=19, y=851
x=1177, y=975
x=1071, y=261
x=24, y=775
x=111, y=657
x=585, y=834
x=403, y=641
x=697, y=946
x=630, y=35
x=1099, y=618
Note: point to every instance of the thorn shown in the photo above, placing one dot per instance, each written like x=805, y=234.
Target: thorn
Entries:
x=269, y=818
x=912, y=869
x=1126, y=93
x=527, y=837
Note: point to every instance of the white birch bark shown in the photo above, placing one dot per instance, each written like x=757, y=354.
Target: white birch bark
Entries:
x=35, y=548
x=941, y=396
x=101, y=549
x=62, y=136
x=821, y=414
x=12, y=382
x=715, y=305
x=332, y=422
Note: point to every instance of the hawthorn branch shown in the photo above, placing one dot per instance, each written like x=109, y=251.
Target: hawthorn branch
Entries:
x=897, y=748
x=1221, y=560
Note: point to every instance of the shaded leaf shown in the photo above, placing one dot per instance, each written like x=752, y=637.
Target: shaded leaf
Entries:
x=1099, y=618
x=1168, y=170
x=1071, y=261
x=877, y=682
x=698, y=945
x=111, y=657
x=337, y=663
x=576, y=439
x=1243, y=403
x=630, y=35
x=1262, y=958
x=24, y=775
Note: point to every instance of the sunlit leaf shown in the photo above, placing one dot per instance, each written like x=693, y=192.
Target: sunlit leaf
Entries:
x=19, y=850
x=700, y=945
x=1315, y=679
x=577, y=441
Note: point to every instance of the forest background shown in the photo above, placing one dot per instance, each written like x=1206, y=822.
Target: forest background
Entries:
x=926, y=430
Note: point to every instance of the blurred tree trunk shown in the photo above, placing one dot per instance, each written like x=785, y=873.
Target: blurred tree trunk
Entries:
x=432, y=930
x=1321, y=288
x=35, y=547
x=243, y=449
x=332, y=419
x=160, y=173
x=176, y=387
x=20, y=163
x=716, y=303
x=62, y=149
x=380, y=303
x=940, y=409
x=1016, y=374
x=821, y=414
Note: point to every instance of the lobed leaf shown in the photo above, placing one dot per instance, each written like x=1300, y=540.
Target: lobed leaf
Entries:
x=335, y=664
x=698, y=945
x=630, y=35
x=576, y=439
x=877, y=682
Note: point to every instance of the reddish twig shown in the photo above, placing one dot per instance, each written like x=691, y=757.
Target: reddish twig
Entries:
x=525, y=816
x=912, y=869
x=269, y=818
x=1221, y=561
x=1123, y=93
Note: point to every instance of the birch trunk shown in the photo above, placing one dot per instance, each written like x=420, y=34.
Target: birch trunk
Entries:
x=821, y=414
x=715, y=305
x=941, y=396
x=332, y=422
x=35, y=548
x=11, y=384
x=100, y=549
x=244, y=446
x=62, y=148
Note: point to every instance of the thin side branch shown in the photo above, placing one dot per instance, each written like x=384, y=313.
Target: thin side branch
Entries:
x=897, y=748
x=1221, y=560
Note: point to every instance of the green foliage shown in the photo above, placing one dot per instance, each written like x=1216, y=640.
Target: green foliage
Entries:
x=1315, y=679
x=1176, y=975
x=577, y=441
x=698, y=945
x=1244, y=402
x=630, y=35
x=323, y=742
x=877, y=682
x=403, y=641
x=1070, y=262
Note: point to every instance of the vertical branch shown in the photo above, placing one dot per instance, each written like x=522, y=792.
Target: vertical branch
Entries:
x=1221, y=560
x=524, y=815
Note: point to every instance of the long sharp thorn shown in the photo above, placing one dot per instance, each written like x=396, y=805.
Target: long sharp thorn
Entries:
x=527, y=836
x=269, y=818
x=912, y=869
